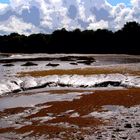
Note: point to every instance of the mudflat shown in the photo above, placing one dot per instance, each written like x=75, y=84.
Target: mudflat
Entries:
x=81, y=117
x=75, y=96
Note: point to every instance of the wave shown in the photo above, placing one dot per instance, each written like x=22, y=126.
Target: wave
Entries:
x=71, y=81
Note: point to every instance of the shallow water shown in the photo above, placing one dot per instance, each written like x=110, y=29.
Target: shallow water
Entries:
x=65, y=62
x=101, y=60
x=35, y=99
x=31, y=111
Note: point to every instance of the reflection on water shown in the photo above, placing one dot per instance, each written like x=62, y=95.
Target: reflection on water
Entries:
x=100, y=60
x=35, y=99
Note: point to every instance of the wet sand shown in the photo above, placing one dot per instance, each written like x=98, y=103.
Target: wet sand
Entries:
x=71, y=114
x=66, y=119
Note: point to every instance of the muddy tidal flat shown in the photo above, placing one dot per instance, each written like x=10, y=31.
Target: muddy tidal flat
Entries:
x=69, y=97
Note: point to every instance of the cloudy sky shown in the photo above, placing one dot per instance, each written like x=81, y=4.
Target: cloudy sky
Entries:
x=45, y=16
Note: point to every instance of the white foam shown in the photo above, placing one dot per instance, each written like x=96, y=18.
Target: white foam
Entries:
x=74, y=115
x=73, y=81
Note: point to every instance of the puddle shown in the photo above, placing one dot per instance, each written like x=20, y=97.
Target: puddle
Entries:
x=35, y=99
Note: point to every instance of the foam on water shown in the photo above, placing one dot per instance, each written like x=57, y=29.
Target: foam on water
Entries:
x=71, y=81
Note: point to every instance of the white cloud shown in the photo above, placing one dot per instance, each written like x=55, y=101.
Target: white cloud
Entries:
x=122, y=14
x=17, y=25
x=135, y=3
x=56, y=1
x=17, y=3
x=3, y=6
x=98, y=25
x=19, y=16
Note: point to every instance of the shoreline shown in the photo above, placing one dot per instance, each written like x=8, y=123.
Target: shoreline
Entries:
x=66, y=118
x=73, y=98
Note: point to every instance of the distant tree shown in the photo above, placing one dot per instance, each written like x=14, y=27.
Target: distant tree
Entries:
x=14, y=35
x=124, y=40
x=131, y=27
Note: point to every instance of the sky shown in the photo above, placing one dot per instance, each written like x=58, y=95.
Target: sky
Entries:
x=4, y=1
x=45, y=16
x=115, y=2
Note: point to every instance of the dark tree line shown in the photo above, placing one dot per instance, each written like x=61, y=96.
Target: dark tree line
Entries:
x=126, y=40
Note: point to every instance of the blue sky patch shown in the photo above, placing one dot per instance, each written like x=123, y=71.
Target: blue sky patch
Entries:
x=115, y=2
x=4, y=1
